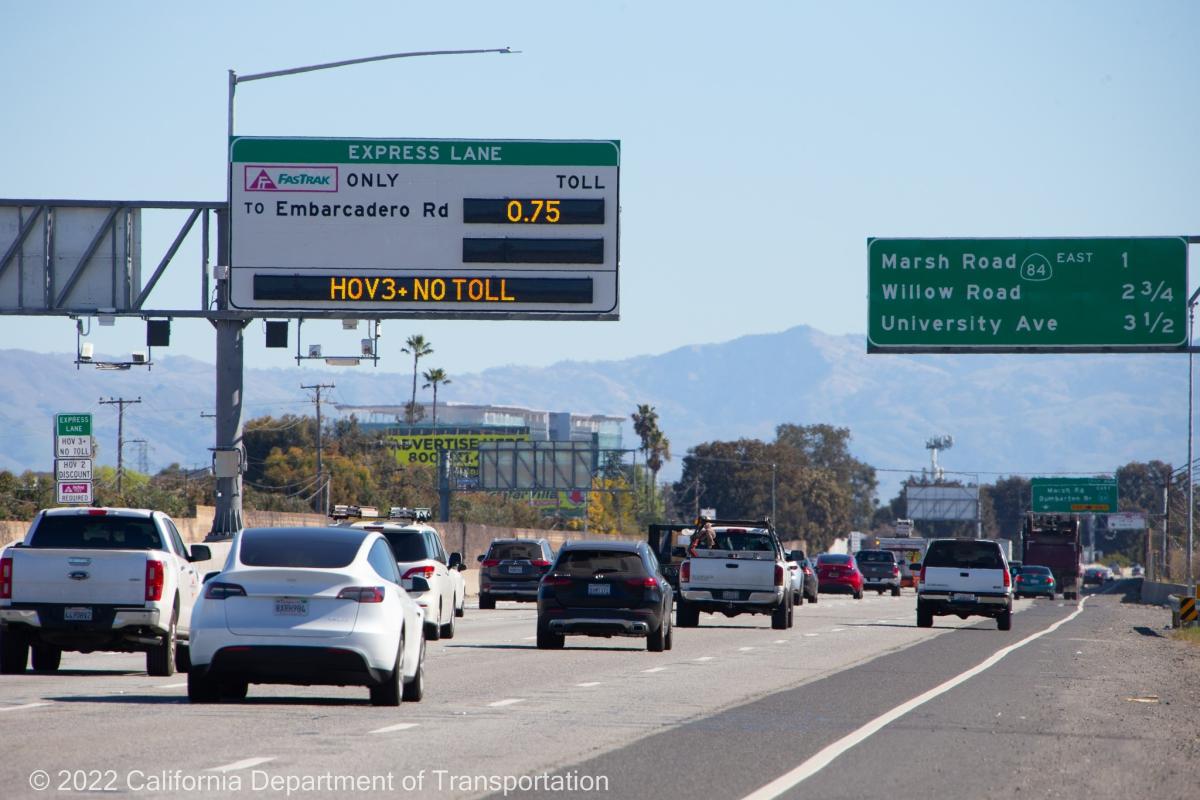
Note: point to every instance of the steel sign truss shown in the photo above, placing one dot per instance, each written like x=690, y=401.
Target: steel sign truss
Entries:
x=942, y=503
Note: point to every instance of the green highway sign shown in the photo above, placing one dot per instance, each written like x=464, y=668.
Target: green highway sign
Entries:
x=1014, y=295
x=73, y=424
x=1067, y=495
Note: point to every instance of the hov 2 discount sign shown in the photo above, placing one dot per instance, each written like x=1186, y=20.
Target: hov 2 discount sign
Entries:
x=1014, y=295
x=436, y=228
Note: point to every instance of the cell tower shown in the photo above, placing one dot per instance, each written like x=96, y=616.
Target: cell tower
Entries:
x=934, y=445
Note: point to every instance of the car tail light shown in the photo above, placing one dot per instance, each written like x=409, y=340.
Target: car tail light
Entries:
x=643, y=583
x=491, y=562
x=808, y=570
x=6, y=578
x=1020, y=578
x=685, y=571
x=219, y=591
x=556, y=580
x=540, y=562
x=1007, y=579
x=896, y=571
x=362, y=594
x=155, y=577
x=420, y=572
x=779, y=575
x=922, y=578
x=97, y=512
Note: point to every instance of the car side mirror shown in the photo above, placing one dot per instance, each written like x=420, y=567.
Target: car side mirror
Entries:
x=199, y=552
x=479, y=557
x=208, y=577
x=455, y=561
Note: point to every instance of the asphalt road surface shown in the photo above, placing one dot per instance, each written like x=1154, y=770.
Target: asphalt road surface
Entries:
x=1100, y=705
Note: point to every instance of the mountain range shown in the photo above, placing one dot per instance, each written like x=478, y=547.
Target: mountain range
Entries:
x=1033, y=414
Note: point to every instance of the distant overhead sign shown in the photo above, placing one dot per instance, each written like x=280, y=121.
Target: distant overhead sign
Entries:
x=439, y=228
x=1012, y=295
x=1067, y=495
x=1126, y=521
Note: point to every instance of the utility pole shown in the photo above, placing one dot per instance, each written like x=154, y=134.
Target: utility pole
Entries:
x=120, y=403
x=317, y=387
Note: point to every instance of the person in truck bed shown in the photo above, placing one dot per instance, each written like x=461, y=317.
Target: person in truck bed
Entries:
x=704, y=538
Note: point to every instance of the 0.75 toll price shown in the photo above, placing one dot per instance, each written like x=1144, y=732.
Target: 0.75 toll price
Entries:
x=533, y=211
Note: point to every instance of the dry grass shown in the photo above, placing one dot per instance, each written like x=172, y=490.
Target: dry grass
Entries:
x=1190, y=635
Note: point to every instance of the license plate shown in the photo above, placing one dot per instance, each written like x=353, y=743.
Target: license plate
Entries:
x=516, y=570
x=291, y=607
x=962, y=598
x=599, y=589
x=77, y=614
x=732, y=595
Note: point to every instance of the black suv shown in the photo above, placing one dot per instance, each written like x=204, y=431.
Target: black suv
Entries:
x=880, y=570
x=511, y=570
x=605, y=589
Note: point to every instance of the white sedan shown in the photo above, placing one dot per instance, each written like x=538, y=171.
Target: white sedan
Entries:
x=307, y=606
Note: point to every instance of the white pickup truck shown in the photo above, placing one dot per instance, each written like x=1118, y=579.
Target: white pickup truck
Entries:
x=88, y=579
x=965, y=577
x=745, y=572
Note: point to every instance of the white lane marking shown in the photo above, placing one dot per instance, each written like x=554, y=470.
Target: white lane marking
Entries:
x=528, y=638
x=588, y=685
x=510, y=701
x=812, y=634
x=403, y=726
x=745, y=649
x=830, y=752
x=172, y=686
x=705, y=658
x=837, y=630
x=245, y=763
x=779, y=641
x=18, y=708
x=654, y=669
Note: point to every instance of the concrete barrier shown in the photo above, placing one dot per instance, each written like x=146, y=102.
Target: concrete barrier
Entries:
x=1158, y=594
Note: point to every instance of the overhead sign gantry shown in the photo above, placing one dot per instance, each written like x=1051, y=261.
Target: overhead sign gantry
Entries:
x=435, y=228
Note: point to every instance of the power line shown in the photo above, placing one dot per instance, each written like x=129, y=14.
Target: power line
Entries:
x=120, y=403
x=317, y=387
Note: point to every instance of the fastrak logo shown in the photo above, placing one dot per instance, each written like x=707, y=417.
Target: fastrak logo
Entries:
x=289, y=178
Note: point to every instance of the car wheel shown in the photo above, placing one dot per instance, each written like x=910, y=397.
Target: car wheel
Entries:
x=656, y=642
x=798, y=599
x=414, y=690
x=687, y=615
x=486, y=602
x=924, y=617
x=670, y=640
x=388, y=692
x=879, y=592
x=779, y=617
x=813, y=599
x=14, y=653
x=1004, y=621
x=461, y=608
x=858, y=595
x=202, y=689
x=160, y=658
x=234, y=690
x=183, y=658
x=448, y=628
x=546, y=640
x=895, y=591
x=46, y=658
x=791, y=614
x=433, y=630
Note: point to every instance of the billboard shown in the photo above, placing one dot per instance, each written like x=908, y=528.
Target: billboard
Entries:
x=942, y=503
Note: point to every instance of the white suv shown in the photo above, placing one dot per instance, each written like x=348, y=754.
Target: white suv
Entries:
x=965, y=577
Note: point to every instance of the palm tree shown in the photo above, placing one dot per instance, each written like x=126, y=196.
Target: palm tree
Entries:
x=655, y=446
x=434, y=377
x=419, y=348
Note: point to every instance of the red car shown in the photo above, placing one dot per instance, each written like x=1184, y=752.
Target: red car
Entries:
x=838, y=573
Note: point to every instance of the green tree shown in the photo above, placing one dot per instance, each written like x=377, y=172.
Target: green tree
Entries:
x=416, y=346
x=656, y=447
x=432, y=378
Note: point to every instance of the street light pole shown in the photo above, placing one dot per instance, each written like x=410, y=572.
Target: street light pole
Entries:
x=228, y=517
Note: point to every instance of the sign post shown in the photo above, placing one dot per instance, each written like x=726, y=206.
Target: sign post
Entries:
x=73, y=458
x=436, y=228
x=1027, y=295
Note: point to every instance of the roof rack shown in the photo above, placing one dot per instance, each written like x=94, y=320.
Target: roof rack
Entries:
x=415, y=514
x=342, y=511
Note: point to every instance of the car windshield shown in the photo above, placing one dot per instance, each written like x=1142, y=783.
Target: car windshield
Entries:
x=313, y=548
x=829, y=558
x=967, y=554
x=515, y=551
x=585, y=563
x=97, y=533
x=875, y=556
x=408, y=545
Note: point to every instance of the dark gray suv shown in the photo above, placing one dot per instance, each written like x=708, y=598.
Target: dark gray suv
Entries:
x=511, y=570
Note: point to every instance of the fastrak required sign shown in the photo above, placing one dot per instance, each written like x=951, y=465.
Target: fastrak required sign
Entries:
x=75, y=492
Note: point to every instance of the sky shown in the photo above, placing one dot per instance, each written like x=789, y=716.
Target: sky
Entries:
x=761, y=143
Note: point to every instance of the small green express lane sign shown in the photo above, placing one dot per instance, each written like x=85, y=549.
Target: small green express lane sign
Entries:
x=1012, y=295
x=1073, y=495
x=73, y=424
